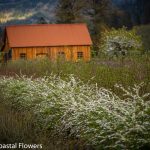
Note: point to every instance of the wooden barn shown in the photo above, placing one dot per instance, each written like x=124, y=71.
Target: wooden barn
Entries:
x=69, y=41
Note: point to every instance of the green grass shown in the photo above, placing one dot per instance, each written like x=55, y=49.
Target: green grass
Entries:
x=104, y=72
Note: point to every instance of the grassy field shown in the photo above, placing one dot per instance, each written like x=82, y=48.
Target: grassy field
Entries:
x=79, y=89
x=105, y=72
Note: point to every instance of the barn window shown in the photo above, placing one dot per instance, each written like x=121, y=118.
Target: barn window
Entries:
x=61, y=54
x=79, y=55
x=23, y=56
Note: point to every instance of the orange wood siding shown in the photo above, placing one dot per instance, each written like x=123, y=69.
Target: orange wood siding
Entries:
x=52, y=52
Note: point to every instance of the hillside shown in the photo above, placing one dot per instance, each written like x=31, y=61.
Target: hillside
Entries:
x=26, y=11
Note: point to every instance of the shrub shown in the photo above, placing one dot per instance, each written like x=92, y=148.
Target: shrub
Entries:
x=77, y=110
x=144, y=31
x=1, y=56
x=120, y=42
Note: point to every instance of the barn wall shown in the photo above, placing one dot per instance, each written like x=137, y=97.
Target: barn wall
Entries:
x=52, y=52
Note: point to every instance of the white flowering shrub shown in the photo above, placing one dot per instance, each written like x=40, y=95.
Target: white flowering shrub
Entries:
x=74, y=109
x=120, y=42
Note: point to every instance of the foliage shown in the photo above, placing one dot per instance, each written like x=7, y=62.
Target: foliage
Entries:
x=41, y=20
x=98, y=11
x=103, y=71
x=144, y=31
x=138, y=10
x=77, y=110
x=120, y=42
x=1, y=56
x=69, y=11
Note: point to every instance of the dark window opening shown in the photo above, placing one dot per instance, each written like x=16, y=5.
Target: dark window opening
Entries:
x=10, y=54
x=23, y=56
x=7, y=55
x=61, y=54
x=79, y=55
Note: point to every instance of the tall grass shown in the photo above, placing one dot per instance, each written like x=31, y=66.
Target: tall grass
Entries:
x=104, y=72
x=22, y=127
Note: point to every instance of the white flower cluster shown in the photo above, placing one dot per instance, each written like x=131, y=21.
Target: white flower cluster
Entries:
x=120, y=42
x=72, y=108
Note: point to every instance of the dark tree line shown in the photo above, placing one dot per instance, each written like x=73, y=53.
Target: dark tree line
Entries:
x=90, y=11
x=69, y=11
x=142, y=12
x=126, y=13
x=137, y=10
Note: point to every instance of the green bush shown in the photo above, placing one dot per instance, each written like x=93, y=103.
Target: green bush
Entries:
x=120, y=42
x=144, y=32
x=1, y=56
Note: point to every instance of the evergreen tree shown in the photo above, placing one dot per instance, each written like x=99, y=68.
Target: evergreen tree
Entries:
x=142, y=11
x=137, y=10
x=99, y=12
x=69, y=11
x=42, y=20
x=1, y=38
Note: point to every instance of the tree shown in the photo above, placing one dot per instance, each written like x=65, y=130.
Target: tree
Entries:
x=138, y=10
x=1, y=37
x=99, y=12
x=69, y=11
x=42, y=20
x=142, y=11
x=144, y=31
x=120, y=18
x=120, y=42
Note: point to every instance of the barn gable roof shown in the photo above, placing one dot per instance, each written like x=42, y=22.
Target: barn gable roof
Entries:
x=48, y=35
